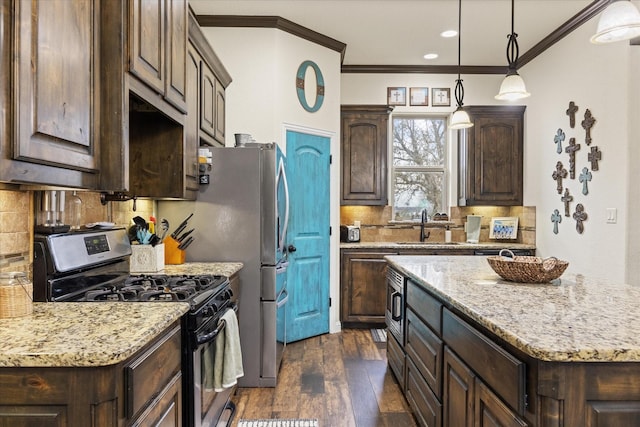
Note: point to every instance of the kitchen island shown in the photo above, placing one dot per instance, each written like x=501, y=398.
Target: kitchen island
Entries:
x=478, y=348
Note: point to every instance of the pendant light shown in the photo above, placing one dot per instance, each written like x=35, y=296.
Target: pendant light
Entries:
x=459, y=119
x=619, y=21
x=512, y=86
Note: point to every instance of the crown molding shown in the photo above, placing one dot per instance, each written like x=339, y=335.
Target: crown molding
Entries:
x=273, y=22
x=280, y=23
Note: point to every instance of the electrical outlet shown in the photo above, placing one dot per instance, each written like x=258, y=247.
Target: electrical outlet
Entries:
x=612, y=215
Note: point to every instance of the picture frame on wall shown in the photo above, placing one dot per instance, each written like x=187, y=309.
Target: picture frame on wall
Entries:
x=396, y=96
x=441, y=97
x=419, y=96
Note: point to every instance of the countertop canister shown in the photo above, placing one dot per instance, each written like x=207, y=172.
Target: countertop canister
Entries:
x=16, y=295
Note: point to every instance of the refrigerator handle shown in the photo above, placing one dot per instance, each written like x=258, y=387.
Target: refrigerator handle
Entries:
x=283, y=174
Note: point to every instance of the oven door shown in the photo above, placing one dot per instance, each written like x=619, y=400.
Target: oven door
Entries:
x=207, y=405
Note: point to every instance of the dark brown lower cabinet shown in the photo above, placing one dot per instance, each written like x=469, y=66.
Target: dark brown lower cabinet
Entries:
x=363, y=288
x=145, y=390
x=396, y=359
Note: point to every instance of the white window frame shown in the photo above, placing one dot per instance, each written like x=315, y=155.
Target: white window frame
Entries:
x=445, y=169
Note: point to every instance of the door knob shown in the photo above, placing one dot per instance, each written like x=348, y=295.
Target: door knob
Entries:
x=291, y=248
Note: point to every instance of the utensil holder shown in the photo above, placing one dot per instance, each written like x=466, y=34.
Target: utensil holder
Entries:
x=147, y=258
x=173, y=255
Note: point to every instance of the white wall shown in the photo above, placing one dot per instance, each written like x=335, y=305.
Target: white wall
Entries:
x=597, y=78
x=262, y=101
x=594, y=77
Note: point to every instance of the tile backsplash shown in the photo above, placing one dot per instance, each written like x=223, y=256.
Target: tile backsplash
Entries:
x=18, y=216
x=376, y=224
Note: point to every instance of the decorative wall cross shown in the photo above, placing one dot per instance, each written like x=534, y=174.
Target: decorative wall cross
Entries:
x=558, y=140
x=556, y=218
x=580, y=216
x=566, y=199
x=585, y=177
x=558, y=174
x=571, y=149
x=571, y=112
x=593, y=157
x=587, y=124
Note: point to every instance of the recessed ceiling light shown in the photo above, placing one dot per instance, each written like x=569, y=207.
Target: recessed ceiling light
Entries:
x=430, y=56
x=449, y=33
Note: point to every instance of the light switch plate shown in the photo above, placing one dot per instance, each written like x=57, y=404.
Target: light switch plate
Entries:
x=612, y=215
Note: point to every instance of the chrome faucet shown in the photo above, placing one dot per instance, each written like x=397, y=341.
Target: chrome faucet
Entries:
x=423, y=236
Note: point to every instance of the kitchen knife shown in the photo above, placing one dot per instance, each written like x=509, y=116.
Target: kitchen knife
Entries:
x=181, y=238
x=181, y=227
x=186, y=243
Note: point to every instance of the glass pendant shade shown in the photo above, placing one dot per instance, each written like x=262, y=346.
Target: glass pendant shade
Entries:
x=512, y=88
x=619, y=21
x=460, y=120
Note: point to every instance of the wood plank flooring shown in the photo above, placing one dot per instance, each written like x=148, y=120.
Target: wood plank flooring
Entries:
x=341, y=379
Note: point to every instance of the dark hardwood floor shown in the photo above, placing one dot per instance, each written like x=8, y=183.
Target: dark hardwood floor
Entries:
x=341, y=379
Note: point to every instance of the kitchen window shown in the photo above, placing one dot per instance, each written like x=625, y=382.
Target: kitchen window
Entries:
x=419, y=166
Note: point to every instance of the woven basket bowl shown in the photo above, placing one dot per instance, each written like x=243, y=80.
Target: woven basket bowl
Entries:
x=527, y=269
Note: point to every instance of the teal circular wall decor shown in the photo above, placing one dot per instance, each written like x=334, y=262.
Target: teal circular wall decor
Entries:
x=302, y=70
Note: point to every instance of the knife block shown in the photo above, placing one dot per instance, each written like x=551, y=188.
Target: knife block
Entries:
x=172, y=255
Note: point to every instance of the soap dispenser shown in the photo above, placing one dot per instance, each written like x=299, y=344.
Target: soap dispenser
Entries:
x=447, y=235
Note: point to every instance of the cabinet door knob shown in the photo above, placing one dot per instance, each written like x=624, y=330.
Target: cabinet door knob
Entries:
x=291, y=248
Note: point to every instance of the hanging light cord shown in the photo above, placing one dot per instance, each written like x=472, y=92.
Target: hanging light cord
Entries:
x=513, y=50
x=459, y=90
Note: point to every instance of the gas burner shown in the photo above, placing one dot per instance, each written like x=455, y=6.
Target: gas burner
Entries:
x=104, y=294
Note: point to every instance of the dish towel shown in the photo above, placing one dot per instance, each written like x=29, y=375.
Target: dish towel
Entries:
x=228, y=360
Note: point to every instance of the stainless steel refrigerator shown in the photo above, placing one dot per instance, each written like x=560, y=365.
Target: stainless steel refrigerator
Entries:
x=242, y=216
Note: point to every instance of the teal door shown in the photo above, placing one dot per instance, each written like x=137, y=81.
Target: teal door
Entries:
x=307, y=309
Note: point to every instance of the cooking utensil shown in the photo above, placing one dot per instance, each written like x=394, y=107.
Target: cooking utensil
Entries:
x=164, y=225
x=184, y=235
x=185, y=244
x=181, y=227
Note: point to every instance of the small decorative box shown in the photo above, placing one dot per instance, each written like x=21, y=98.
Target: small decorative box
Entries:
x=147, y=258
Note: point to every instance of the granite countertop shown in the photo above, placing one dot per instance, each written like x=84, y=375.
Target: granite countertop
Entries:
x=83, y=334
x=573, y=318
x=217, y=268
x=435, y=245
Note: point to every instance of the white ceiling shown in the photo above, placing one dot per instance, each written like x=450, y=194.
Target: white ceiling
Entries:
x=400, y=32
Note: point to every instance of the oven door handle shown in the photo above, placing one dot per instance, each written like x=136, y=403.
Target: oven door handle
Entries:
x=396, y=306
x=206, y=338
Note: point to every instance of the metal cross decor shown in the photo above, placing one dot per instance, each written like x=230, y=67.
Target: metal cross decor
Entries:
x=584, y=178
x=593, y=157
x=580, y=216
x=555, y=219
x=571, y=149
x=566, y=199
x=571, y=112
x=558, y=140
x=558, y=175
x=587, y=124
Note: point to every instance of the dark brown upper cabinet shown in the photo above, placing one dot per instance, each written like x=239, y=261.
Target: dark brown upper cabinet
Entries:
x=49, y=112
x=490, y=157
x=158, y=47
x=364, y=154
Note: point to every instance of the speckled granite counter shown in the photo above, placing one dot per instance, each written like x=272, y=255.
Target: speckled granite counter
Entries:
x=433, y=245
x=572, y=319
x=218, y=268
x=83, y=334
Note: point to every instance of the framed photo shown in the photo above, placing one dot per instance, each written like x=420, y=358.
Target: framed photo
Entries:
x=504, y=227
x=419, y=96
x=396, y=96
x=441, y=97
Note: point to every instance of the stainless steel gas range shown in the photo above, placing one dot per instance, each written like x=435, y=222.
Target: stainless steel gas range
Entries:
x=94, y=266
